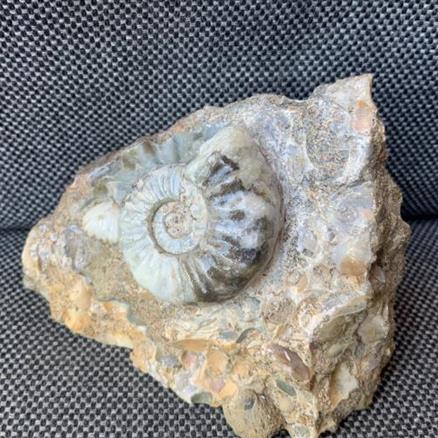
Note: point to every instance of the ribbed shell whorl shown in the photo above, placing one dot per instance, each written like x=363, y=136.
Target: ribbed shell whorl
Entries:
x=201, y=229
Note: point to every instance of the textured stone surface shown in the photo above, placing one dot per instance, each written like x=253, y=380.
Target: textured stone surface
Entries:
x=302, y=340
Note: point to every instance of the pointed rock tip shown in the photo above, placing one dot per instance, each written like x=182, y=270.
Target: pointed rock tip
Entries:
x=349, y=92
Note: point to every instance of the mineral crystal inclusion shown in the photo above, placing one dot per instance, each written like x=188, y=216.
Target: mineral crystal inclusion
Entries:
x=248, y=257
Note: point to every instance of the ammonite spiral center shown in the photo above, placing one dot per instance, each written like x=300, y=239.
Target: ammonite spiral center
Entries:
x=177, y=219
x=178, y=225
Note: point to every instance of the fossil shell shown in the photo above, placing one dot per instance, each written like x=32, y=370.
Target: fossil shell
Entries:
x=102, y=220
x=199, y=217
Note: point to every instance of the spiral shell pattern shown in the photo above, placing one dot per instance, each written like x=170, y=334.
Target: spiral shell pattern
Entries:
x=200, y=228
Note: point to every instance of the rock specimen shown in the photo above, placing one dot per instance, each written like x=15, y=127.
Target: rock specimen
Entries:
x=248, y=256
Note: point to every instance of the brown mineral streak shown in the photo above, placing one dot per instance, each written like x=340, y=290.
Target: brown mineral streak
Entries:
x=303, y=344
x=193, y=345
x=363, y=117
x=350, y=266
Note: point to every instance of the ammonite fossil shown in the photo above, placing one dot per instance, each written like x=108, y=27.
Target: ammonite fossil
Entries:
x=196, y=218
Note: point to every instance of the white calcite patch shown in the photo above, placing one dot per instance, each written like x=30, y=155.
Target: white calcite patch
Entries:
x=102, y=221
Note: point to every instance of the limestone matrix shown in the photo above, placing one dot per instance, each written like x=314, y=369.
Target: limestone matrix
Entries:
x=248, y=256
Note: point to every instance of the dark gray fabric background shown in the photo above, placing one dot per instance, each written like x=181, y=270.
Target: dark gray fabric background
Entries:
x=78, y=79
x=81, y=78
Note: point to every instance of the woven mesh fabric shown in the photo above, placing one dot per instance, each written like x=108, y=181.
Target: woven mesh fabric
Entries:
x=56, y=384
x=78, y=79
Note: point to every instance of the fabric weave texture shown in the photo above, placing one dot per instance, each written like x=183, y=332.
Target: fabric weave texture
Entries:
x=81, y=78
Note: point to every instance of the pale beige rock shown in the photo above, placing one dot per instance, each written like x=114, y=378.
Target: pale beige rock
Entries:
x=304, y=342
